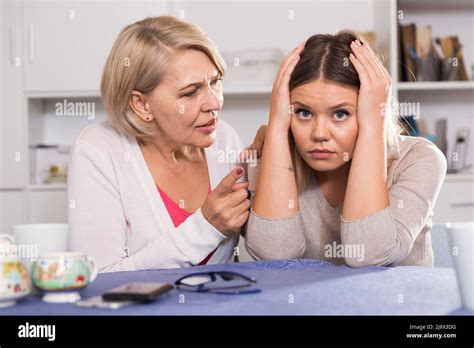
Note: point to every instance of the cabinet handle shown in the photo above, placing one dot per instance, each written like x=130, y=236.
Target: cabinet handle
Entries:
x=31, y=39
x=462, y=204
x=12, y=45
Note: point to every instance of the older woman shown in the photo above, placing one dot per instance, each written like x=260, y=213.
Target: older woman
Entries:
x=148, y=188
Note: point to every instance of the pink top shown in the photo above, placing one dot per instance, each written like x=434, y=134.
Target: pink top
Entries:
x=179, y=215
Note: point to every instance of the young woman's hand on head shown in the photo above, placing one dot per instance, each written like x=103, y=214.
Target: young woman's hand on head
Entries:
x=280, y=112
x=370, y=154
x=375, y=85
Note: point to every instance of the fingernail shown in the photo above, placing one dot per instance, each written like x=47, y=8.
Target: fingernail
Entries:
x=239, y=171
x=354, y=44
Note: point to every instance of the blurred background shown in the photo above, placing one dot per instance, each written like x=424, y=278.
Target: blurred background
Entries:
x=52, y=55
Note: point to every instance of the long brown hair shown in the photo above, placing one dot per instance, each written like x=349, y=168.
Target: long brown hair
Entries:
x=326, y=56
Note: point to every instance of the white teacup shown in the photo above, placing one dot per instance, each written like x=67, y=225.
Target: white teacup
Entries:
x=40, y=239
x=14, y=279
x=462, y=241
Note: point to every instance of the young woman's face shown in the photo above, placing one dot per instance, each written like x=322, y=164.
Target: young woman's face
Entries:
x=324, y=118
x=187, y=102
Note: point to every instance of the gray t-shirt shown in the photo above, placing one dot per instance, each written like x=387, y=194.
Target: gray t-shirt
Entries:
x=396, y=235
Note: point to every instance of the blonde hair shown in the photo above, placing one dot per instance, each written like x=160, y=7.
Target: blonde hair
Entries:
x=321, y=59
x=137, y=61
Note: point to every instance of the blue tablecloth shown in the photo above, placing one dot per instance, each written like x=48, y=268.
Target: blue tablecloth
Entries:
x=288, y=287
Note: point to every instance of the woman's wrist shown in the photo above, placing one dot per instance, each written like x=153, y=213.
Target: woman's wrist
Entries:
x=377, y=127
x=277, y=127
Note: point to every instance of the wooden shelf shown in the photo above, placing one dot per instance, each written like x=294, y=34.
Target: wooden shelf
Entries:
x=439, y=3
x=460, y=177
x=47, y=187
x=435, y=86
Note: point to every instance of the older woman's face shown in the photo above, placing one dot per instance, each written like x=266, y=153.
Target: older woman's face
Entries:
x=186, y=104
x=324, y=119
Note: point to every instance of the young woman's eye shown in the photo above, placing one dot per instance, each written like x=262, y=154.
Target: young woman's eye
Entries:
x=303, y=114
x=341, y=115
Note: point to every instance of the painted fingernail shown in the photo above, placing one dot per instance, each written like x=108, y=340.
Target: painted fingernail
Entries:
x=239, y=171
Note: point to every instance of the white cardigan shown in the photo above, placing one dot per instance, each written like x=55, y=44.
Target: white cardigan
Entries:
x=116, y=214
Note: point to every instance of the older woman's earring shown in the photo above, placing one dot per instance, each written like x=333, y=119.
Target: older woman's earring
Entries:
x=148, y=119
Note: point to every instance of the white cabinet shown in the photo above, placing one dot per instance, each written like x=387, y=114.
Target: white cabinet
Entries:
x=13, y=155
x=47, y=206
x=12, y=208
x=67, y=42
x=455, y=202
x=242, y=25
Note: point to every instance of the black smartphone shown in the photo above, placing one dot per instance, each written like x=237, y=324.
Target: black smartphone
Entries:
x=137, y=291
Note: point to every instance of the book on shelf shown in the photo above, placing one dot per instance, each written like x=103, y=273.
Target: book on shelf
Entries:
x=408, y=40
x=453, y=62
x=427, y=61
x=422, y=58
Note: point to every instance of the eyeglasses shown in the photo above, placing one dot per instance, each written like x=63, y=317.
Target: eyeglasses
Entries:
x=226, y=283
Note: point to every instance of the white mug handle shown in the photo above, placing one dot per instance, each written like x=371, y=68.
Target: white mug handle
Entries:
x=93, y=267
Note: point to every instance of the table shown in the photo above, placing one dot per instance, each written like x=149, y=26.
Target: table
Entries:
x=289, y=287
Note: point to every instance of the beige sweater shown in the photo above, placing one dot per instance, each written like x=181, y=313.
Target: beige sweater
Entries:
x=396, y=235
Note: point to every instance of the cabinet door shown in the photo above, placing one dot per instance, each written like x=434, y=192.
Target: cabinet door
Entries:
x=455, y=202
x=67, y=42
x=48, y=206
x=12, y=210
x=13, y=154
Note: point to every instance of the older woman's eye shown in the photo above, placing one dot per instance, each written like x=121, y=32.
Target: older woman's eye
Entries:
x=214, y=82
x=341, y=115
x=303, y=114
x=190, y=94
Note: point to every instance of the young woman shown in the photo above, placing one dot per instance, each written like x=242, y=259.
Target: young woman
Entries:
x=335, y=180
x=148, y=188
